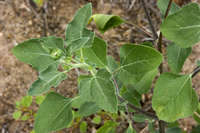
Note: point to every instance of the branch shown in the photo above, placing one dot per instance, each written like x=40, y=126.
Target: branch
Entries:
x=196, y=71
x=155, y=36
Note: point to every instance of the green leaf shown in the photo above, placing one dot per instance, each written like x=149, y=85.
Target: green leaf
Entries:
x=130, y=129
x=32, y=131
x=52, y=42
x=162, y=5
x=144, y=85
x=55, y=113
x=48, y=78
x=112, y=64
x=83, y=127
x=196, y=115
x=77, y=36
x=140, y=118
x=108, y=127
x=183, y=27
x=39, y=99
x=174, y=130
x=198, y=63
x=176, y=57
x=149, y=44
x=90, y=35
x=26, y=101
x=80, y=43
x=39, y=2
x=136, y=61
x=96, y=119
x=151, y=127
x=79, y=22
x=25, y=117
x=17, y=115
x=17, y=104
x=173, y=124
x=88, y=108
x=97, y=53
x=174, y=97
x=131, y=95
x=196, y=129
x=106, y=22
x=100, y=90
x=33, y=53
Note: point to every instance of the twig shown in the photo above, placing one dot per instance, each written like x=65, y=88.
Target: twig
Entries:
x=151, y=115
x=160, y=50
x=132, y=4
x=139, y=110
x=131, y=106
x=155, y=36
x=161, y=126
x=139, y=28
x=161, y=36
x=44, y=16
x=196, y=71
x=197, y=114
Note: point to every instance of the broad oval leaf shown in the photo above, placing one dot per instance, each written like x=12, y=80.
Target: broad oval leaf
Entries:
x=174, y=97
x=183, y=27
x=33, y=53
x=97, y=53
x=47, y=79
x=100, y=90
x=105, y=22
x=54, y=114
x=136, y=61
x=176, y=57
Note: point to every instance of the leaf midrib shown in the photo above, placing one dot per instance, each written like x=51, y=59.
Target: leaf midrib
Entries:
x=60, y=111
x=173, y=98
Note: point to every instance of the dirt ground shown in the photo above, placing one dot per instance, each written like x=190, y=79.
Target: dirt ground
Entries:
x=19, y=21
